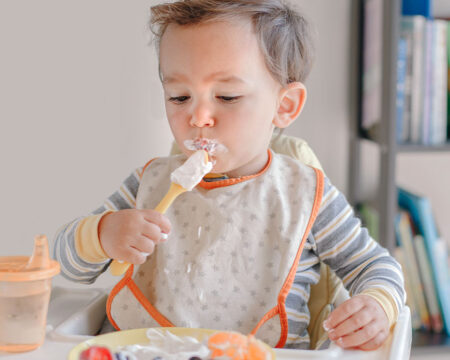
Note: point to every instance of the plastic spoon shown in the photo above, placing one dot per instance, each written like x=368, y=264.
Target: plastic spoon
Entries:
x=184, y=178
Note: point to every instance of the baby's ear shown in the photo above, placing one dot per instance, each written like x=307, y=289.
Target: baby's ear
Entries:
x=291, y=101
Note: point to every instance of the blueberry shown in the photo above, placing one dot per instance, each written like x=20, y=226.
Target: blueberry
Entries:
x=121, y=356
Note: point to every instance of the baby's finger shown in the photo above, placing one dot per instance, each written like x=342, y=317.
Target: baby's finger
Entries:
x=376, y=342
x=343, y=312
x=359, y=337
x=152, y=232
x=144, y=245
x=157, y=218
x=133, y=256
x=351, y=324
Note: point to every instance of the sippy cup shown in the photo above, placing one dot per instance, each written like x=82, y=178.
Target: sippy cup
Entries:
x=25, y=284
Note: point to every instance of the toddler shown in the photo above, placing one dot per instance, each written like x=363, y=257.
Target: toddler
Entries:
x=245, y=245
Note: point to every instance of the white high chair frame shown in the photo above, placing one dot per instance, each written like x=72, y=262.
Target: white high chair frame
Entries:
x=85, y=319
x=84, y=314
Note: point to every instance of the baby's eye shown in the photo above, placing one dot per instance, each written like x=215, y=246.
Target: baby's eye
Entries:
x=229, y=99
x=179, y=99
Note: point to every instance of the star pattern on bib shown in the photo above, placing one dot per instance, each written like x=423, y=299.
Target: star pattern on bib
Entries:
x=242, y=255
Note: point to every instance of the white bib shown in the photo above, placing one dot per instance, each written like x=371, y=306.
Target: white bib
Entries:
x=231, y=256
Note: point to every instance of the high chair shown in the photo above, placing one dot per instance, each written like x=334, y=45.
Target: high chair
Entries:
x=329, y=291
x=84, y=320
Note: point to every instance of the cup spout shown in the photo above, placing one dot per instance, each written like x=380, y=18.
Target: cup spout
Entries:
x=40, y=259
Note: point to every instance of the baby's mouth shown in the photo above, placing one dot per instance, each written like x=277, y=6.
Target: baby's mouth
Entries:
x=211, y=146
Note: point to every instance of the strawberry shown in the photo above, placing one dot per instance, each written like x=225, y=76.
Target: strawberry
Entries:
x=96, y=353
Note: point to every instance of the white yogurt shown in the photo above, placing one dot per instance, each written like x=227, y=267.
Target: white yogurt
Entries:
x=167, y=346
x=192, y=171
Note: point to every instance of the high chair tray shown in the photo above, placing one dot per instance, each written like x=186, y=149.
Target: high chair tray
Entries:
x=75, y=315
x=138, y=336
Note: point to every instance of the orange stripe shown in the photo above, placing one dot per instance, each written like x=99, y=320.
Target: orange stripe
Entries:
x=128, y=281
x=291, y=276
x=269, y=315
x=227, y=182
x=145, y=167
x=155, y=314
x=116, y=289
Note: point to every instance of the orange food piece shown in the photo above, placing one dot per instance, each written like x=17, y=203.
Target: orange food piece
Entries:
x=255, y=350
x=235, y=346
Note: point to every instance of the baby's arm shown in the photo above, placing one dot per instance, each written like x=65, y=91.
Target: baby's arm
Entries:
x=373, y=278
x=83, y=257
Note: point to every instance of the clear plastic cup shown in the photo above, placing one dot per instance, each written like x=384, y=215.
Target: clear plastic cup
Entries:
x=25, y=286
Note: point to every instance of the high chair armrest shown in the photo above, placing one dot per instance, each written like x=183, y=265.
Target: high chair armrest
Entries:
x=401, y=336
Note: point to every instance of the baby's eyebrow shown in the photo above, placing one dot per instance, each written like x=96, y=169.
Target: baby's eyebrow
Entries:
x=170, y=80
x=230, y=79
x=215, y=76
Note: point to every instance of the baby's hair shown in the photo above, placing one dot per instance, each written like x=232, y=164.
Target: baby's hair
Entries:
x=283, y=34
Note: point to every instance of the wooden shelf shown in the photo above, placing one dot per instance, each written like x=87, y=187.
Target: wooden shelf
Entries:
x=413, y=148
x=404, y=148
x=427, y=343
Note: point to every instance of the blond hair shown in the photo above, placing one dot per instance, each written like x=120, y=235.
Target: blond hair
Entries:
x=283, y=34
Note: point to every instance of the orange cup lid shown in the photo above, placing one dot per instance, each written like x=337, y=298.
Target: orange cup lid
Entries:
x=14, y=268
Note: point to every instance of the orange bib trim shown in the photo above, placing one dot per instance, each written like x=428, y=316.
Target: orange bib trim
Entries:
x=128, y=281
x=279, y=309
x=291, y=276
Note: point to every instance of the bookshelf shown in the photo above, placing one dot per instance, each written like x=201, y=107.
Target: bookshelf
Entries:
x=386, y=202
x=386, y=142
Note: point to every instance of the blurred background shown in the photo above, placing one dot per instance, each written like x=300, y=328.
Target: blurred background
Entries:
x=81, y=107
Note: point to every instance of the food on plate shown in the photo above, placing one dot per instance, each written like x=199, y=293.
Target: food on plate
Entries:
x=164, y=345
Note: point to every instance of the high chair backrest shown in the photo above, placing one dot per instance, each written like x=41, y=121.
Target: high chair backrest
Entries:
x=329, y=290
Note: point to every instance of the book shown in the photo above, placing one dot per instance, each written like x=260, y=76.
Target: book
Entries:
x=413, y=28
x=438, y=130
x=369, y=219
x=448, y=80
x=425, y=135
x=399, y=254
x=428, y=285
x=401, y=130
x=405, y=240
x=371, y=68
x=417, y=7
x=420, y=209
x=407, y=34
x=441, y=8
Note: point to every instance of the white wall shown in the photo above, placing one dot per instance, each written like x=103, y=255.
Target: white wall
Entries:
x=325, y=121
x=81, y=106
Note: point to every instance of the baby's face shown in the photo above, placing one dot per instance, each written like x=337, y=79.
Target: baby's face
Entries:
x=217, y=86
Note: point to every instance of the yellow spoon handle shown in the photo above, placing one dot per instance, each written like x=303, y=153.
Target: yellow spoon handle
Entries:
x=118, y=268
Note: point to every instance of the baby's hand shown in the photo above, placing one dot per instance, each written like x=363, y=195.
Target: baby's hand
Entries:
x=359, y=323
x=126, y=234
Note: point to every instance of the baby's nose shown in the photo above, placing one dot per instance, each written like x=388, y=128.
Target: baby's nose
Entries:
x=202, y=117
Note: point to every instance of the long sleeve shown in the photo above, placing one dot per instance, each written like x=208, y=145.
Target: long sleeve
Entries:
x=364, y=266
x=77, y=246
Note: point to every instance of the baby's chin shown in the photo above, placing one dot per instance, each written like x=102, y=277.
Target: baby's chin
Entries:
x=218, y=168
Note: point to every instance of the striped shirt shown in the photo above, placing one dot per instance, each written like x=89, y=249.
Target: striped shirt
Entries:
x=337, y=239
